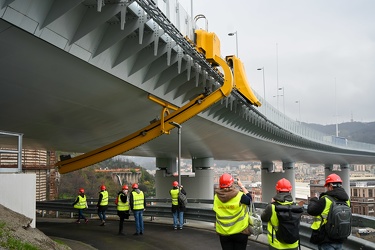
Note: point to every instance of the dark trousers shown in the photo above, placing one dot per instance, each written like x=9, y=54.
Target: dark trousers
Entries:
x=234, y=242
x=80, y=214
x=123, y=215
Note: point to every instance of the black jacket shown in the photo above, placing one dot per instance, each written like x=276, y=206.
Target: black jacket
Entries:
x=316, y=207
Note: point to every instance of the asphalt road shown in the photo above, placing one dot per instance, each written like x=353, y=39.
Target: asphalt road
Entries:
x=157, y=236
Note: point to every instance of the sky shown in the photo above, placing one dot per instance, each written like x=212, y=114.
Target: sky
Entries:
x=319, y=53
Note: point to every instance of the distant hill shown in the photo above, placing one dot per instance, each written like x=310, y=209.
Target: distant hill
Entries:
x=354, y=131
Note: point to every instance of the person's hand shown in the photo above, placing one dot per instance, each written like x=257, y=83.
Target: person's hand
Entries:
x=272, y=200
x=239, y=183
x=181, y=186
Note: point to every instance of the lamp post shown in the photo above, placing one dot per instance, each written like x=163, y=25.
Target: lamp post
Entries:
x=299, y=110
x=235, y=34
x=283, y=95
x=264, y=84
x=178, y=126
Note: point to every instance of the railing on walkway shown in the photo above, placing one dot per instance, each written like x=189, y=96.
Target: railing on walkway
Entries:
x=199, y=210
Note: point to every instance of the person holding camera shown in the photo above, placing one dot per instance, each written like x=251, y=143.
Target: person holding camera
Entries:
x=232, y=218
x=178, y=209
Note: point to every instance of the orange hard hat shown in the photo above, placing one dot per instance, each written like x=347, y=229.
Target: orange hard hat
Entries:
x=102, y=187
x=225, y=181
x=332, y=178
x=125, y=187
x=135, y=186
x=283, y=185
x=175, y=184
x=81, y=190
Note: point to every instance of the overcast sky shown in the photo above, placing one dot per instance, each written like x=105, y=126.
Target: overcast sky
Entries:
x=314, y=49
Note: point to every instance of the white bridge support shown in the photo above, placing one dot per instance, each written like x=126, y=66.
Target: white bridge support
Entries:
x=270, y=178
x=198, y=185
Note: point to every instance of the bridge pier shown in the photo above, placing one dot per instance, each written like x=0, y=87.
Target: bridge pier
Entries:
x=343, y=173
x=198, y=185
x=269, y=179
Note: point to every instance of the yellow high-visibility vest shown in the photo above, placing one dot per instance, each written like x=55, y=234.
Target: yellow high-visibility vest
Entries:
x=121, y=206
x=81, y=204
x=104, y=201
x=174, y=195
x=232, y=216
x=138, y=200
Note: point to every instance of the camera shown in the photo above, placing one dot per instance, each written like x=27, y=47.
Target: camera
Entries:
x=236, y=181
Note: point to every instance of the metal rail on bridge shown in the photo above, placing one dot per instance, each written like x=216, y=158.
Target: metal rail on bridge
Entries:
x=197, y=209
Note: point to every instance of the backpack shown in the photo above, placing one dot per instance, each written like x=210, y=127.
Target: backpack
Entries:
x=182, y=199
x=339, y=220
x=289, y=217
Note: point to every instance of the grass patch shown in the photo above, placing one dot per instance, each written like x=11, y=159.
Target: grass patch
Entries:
x=9, y=242
x=60, y=242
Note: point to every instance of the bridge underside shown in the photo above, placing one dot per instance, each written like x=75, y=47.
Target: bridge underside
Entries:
x=61, y=102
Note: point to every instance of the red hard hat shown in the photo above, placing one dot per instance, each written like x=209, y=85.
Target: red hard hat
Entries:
x=283, y=185
x=81, y=190
x=226, y=180
x=102, y=187
x=332, y=178
x=135, y=186
x=125, y=187
x=175, y=184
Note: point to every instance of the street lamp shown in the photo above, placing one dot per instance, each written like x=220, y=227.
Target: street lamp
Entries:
x=299, y=110
x=264, y=84
x=235, y=34
x=178, y=126
x=283, y=95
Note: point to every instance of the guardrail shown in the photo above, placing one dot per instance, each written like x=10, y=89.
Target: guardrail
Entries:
x=197, y=209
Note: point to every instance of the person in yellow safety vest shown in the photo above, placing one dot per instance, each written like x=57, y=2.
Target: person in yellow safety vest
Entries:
x=320, y=207
x=232, y=218
x=283, y=197
x=178, y=209
x=122, y=207
x=102, y=204
x=137, y=205
x=80, y=204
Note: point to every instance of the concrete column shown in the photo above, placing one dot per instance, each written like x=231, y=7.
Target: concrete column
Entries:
x=289, y=174
x=345, y=177
x=266, y=179
x=202, y=163
x=198, y=185
x=328, y=168
x=269, y=179
x=167, y=164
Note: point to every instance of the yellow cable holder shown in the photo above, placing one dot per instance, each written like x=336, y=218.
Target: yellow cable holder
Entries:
x=164, y=112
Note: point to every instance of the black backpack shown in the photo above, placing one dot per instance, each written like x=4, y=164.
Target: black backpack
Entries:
x=339, y=220
x=182, y=199
x=289, y=217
